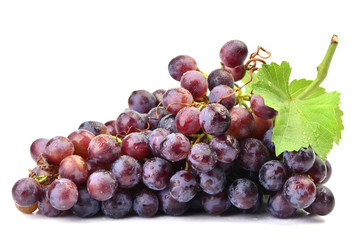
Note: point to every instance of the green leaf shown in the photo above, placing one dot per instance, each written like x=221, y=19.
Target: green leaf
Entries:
x=313, y=121
x=339, y=124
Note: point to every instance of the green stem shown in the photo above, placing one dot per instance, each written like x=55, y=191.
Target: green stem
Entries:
x=322, y=69
x=203, y=73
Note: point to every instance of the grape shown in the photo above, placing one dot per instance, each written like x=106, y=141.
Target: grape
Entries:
x=81, y=140
x=279, y=207
x=237, y=72
x=267, y=140
x=299, y=191
x=168, y=123
x=174, y=147
x=324, y=202
x=119, y=205
x=155, y=138
x=130, y=121
x=111, y=128
x=202, y=158
x=318, y=171
x=38, y=147
x=216, y=204
x=135, y=145
x=155, y=120
x=225, y=93
x=253, y=154
x=86, y=206
x=213, y=181
x=220, y=77
x=187, y=120
x=183, y=186
x=256, y=207
x=215, y=119
x=242, y=123
x=27, y=210
x=58, y=148
x=175, y=99
x=180, y=65
x=226, y=147
x=94, y=127
x=62, y=194
x=92, y=166
x=156, y=173
x=170, y=206
x=243, y=193
x=26, y=192
x=272, y=175
x=102, y=185
x=299, y=161
x=159, y=95
x=260, y=127
x=127, y=171
x=195, y=82
x=146, y=203
x=328, y=172
x=44, y=205
x=74, y=168
x=141, y=101
x=233, y=53
x=103, y=149
x=260, y=109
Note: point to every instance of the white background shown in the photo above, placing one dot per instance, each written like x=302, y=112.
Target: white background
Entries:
x=66, y=62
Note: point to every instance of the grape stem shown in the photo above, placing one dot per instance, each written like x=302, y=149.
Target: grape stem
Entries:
x=322, y=69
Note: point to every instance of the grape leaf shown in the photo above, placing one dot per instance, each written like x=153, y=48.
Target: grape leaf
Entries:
x=314, y=121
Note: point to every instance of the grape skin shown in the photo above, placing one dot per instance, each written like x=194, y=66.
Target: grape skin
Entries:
x=170, y=206
x=220, y=77
x=102, y=185
x=141, y=101
x=242, y=123
x=81, y=140
x=86, y=206
x=299, y=191
x=156, y=173
x=226, y=147
x=215, y=119
x=119, y=205
x=175, y=99
x=202, y=158
x=279, y=207
x=38, y=147
x=146, y=203
x=127, y=171
x=155, y=138
x=259, y=108
x=233, y=53
x=103, y=149
x=63, y=194
x=183, y=186
x=225, y=93
x=213, y=181
x=253, y=154
x=74, y=168
x=174, y=147
x=130, y=121
x=243, y=193
x=324, y=202
x=216, y=204
x=94, y=127
x=135, y=145
x=26, y=192
x=187, y=120
x=272, y=175
x=44, y=205
x=299, y=161
x=318, y=171
x=180, y=65
x=195, y=82
x=58, y=148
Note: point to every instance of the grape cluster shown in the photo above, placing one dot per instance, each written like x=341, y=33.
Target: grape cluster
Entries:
x=176, y=151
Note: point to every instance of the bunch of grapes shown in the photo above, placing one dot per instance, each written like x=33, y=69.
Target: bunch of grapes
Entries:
x=176, y=151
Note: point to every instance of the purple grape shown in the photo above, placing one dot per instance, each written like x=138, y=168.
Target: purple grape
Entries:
x=58, y=148
x=183, y=186
x=187, y=120
x=195, y=82
x=202, y=158
x=215, y=119
x=119, y=205
x=130, y=121
x=81, y=140
x=279, y=207
x=103, y=149
x=233, y=53
x=272, y=175
x=328, y=172
x=226, y=147
x=299, y=161
x=38, y=147
x=242, y=123
x=175, y=99
x=175, y=147
x=146, y=203
x=253, y=154
x=156, y=173
x=268, y=142
x=102, y=185
x=216, y=204
x=170, y=206
x=299, y=191
x=135, y=145
x=318, y=171
x=141, y=101
x=220, y=77
x=180, y=65
x=63, y=194
x=213, y=181
x=94, y=127
x=26, y=192
x=225, y=93
x=237, y=72
x=155, y=115
x=256, y=208
x=168, y=123
x=159, y=95
x=324, y=202
x=155, y=138
x=111, y=128
x=44, y=205
x=127, y=171
x=243, y=193
x=74, y=168
x=260, y=109
x=86, y=206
